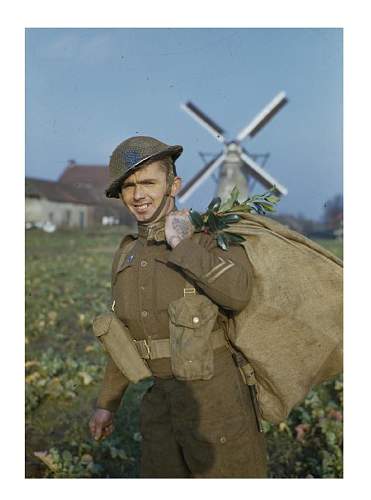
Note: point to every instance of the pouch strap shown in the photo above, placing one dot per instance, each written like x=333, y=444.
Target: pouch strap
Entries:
x=160, y=348
x=189, y=288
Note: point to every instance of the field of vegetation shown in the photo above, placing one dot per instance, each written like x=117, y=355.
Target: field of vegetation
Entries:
x=67, y=285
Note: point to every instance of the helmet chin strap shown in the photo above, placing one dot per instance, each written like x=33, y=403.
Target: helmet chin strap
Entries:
x=169, y=183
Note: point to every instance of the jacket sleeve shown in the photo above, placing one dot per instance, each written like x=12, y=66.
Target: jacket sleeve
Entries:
x=113, y=387
x=224, y=275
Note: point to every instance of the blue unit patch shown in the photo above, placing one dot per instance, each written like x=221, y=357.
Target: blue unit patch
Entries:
x=131, y=157
x=130, y=258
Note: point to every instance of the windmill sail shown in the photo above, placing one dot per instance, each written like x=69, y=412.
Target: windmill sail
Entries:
x=261, y=175
x=263, y=117
x=204, y=120
x=196, y=180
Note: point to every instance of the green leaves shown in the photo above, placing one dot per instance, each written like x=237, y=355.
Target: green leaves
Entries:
x=261, y=203
x=230, y=218
x=231, y=201
x=196, y=219
x=272, y=199
x=222, y=241
x=214, y=204
x=219, y=216
x=226, y=239
x=234, y=238
x=212, y=223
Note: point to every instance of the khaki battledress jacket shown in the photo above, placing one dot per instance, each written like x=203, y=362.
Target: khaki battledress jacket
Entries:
x=198, y=428
x=153, y=275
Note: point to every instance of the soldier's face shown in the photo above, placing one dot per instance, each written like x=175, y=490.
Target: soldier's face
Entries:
x=142, y=191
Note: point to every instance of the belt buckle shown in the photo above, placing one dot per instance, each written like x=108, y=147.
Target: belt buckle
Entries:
x=189, y=291
x=147, y=348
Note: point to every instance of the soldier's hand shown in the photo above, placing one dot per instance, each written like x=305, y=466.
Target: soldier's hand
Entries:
x=178, y=227
x=101, y=424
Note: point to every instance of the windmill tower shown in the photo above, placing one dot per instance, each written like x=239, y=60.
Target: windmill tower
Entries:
x=237, y=167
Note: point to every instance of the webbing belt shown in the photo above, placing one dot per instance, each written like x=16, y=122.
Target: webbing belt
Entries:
x=160, y=348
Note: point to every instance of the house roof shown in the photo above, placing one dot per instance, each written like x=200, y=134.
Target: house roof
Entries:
x=86, y=175
x=56, y=191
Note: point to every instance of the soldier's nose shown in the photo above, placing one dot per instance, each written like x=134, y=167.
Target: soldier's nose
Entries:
x=138, y=193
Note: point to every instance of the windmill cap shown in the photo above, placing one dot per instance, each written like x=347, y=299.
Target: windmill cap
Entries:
x=131, y=154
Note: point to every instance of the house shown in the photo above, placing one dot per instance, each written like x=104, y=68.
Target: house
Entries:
x=76, y=199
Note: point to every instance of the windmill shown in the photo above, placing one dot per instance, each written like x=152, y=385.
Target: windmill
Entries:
x=237, y=167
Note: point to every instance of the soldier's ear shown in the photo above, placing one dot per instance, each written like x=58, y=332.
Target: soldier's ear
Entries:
x=177, y=184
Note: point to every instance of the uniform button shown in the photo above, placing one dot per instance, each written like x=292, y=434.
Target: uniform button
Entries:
x=143, y=263
x=144, y=314
x=142, y=287
x=223, y=439
x=195, y=320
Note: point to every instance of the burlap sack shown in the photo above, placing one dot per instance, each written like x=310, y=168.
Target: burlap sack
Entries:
x=291, y=330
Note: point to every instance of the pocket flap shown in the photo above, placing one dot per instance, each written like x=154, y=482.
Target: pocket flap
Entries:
x=101, y=324
x=124, y=262
x=193, y=311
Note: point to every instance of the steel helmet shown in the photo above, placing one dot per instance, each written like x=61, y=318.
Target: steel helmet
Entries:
x=132, y=154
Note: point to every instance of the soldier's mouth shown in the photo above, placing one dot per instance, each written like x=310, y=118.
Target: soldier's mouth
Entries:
x=142, y=208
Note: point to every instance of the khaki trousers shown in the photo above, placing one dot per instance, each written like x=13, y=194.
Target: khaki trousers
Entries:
x=202, y=428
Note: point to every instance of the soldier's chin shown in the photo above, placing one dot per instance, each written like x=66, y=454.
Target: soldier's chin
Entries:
x=143, y=215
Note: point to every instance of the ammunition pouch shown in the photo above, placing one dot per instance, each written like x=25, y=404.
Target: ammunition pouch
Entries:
x=116, y=339
x=191, y=322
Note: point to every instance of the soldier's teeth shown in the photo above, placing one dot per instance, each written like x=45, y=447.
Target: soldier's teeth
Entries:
x=142, y=207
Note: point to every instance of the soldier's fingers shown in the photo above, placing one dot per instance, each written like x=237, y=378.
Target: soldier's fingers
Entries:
x=98, y=432
x=108, y=430
x=92, y=426
x=105, y=433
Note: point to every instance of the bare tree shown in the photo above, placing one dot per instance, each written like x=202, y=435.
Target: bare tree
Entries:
x=333, y=212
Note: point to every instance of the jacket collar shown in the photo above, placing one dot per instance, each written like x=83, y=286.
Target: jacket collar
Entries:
x=152, y=232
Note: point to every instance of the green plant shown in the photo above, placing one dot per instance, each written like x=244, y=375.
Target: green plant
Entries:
x=219, y=216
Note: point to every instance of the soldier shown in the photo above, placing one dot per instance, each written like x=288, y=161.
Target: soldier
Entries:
x=197, y=419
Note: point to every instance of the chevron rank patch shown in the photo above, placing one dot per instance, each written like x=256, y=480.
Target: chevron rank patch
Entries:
x=218, y=270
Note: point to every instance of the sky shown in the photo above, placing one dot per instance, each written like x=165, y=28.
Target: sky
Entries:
x=88, y=89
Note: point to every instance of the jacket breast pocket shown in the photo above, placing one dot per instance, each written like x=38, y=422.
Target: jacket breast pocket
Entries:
x=123, y=289
x=191, y=322
x=168, y=285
